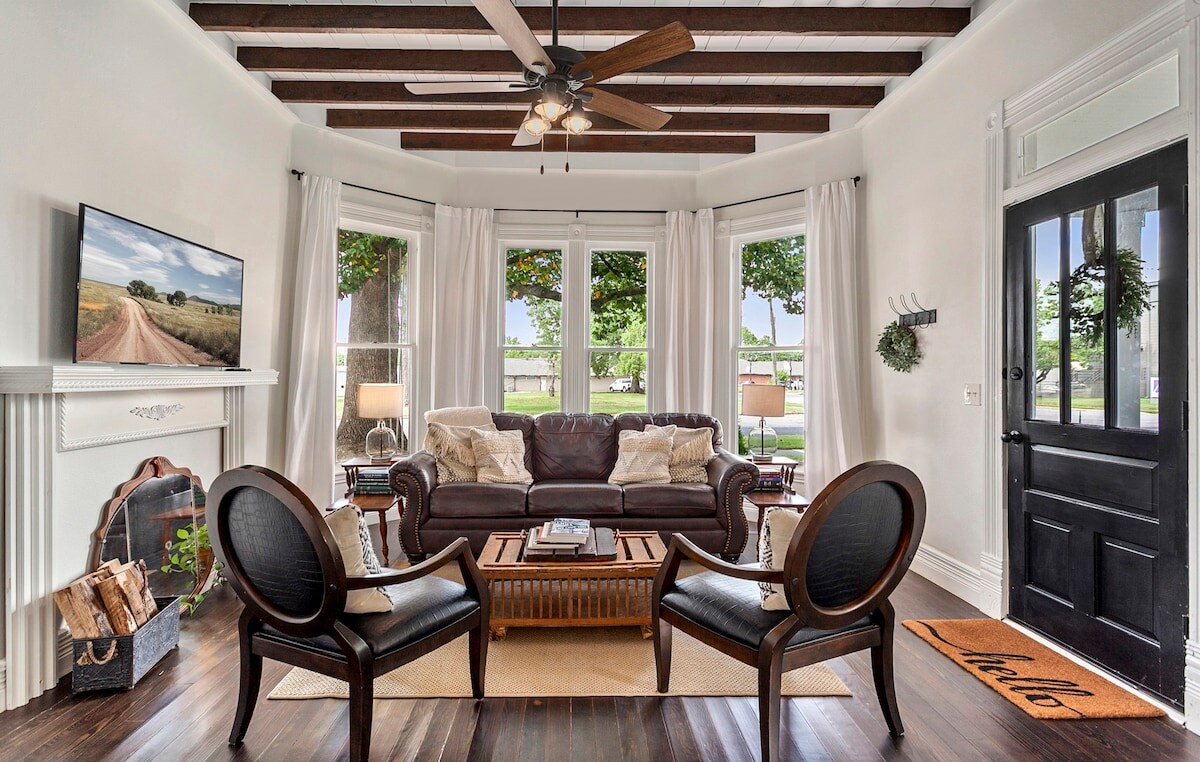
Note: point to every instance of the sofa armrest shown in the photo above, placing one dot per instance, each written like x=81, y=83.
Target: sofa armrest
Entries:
x=732, y=476
x=414, y=479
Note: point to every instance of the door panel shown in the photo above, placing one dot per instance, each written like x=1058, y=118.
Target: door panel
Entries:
x=1095, y=393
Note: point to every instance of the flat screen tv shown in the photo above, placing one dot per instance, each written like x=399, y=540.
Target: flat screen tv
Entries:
x=148, y=297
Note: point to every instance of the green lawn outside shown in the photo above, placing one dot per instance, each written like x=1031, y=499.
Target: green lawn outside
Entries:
x=532, y=403
x=1094, y=403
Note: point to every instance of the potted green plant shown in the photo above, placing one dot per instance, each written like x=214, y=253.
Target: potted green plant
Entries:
x=191, y=553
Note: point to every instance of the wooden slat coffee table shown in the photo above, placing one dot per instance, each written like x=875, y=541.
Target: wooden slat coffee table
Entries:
x=571, y=593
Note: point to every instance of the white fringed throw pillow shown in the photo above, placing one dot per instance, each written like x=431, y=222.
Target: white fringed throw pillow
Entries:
x=643, y=457
x=779, y=524
x=451, y=447
x=691, y=450
x=500, y=457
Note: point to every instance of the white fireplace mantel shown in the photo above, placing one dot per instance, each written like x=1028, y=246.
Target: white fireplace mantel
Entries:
x=49, y=411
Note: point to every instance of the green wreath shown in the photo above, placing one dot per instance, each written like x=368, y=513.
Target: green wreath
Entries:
x=898, y=347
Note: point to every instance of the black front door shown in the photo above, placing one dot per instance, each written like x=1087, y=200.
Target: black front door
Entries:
x=1096, y=384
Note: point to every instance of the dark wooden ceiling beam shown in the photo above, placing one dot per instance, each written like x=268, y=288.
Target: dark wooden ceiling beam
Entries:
x=468, y=141
x=475, y=119
x=307, y=91
x=705, y=21
x=504, y=62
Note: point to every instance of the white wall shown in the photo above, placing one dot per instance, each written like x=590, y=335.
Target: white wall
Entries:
x=924, y=164
x=123, y=104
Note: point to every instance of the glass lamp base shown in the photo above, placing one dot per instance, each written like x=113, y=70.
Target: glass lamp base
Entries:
x=762, y=440
x=381, y=443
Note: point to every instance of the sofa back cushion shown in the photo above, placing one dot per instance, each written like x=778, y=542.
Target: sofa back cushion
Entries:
x=573, y=446
x=638, y=421
x=518, y=422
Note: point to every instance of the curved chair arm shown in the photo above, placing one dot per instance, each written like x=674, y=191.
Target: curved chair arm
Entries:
x=681, y=547
x=459, y=550
x=413, y=478
x=732, y=477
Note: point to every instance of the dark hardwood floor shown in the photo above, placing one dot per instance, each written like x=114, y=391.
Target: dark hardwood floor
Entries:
x=184, y=708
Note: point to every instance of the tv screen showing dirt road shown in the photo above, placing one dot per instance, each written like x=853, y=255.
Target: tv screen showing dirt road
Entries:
x=151, y=298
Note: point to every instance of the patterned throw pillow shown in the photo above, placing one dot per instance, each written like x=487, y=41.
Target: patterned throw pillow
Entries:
x=451, y=446
x=643, y=457
x=347, y=525
x=500, y=457
x=691, y=450
x=779, y=524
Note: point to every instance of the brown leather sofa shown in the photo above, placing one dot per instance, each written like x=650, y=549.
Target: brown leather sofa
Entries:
x=570, y=457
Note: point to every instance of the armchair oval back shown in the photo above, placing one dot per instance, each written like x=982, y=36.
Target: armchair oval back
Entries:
x=854, y=544
x=280, y=556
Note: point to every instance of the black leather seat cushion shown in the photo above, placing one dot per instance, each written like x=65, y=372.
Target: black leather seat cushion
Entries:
x=670, y=500
x=733, y=608
x=471, y=499
x=419, y=608
x=574, y=497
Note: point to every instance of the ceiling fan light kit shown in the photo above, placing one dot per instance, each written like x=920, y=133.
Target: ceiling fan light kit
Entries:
x=565, y=79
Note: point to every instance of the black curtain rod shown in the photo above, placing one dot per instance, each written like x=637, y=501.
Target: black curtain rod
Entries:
x=577, y=212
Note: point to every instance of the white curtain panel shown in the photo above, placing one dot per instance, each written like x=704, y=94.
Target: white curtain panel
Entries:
x=832, y=402
x=688, y=267
x=465, y=300
x=312, y=372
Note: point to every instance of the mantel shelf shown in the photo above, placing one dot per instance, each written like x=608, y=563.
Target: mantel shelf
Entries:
x=72, y=379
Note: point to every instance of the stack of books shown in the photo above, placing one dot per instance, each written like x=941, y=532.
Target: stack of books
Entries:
x=372, y=481
x=569, y=539
x=770, y=478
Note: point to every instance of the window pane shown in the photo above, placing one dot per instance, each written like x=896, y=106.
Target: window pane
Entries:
x=365, y=366
x=372, y=289
x=1141, y=98
x=618, y=297
x=1137, y=311
x=1086, y=300
x=618, y=382
x=532, y=381
x=785, y=368
x=533, y=287
x=1047, y=373
x=773, y=292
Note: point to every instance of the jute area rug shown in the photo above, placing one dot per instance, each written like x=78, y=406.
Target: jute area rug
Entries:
x=599, y=661
x=1044, y=684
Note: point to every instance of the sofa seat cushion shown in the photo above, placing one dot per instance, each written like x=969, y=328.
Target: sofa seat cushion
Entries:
x=575, y=498
x=670, y=500
x=471, y=499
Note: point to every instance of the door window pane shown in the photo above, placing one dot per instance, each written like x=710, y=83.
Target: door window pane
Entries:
x=1047, y=373
x=1087, y=298
x=532, y=381
x=1136, y=352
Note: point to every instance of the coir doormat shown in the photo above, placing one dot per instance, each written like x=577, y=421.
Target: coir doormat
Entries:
x=1044, y=684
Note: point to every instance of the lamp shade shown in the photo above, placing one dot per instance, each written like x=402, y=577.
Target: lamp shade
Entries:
x=380, y=401
x=763, y=400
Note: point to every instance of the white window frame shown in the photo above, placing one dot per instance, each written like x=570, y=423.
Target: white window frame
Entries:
x=417, y=230
x=577, y=241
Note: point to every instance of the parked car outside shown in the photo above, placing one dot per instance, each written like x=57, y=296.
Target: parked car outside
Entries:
x=621, y=385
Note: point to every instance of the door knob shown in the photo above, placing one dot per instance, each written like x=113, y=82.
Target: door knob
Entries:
x=1013, y=437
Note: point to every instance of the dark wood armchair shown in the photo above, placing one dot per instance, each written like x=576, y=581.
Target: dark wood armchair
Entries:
x=282, y=560
x=852, y=547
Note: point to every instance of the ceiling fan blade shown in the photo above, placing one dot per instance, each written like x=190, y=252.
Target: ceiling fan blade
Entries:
x=624, y=110
x=640, y=52
x=443, y=88
x=523, y=138
x=507, y=22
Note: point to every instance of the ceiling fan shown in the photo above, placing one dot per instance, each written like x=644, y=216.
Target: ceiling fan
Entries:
x=565, y=79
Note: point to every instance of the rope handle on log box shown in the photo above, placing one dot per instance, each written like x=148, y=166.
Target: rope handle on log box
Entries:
x=88, y=657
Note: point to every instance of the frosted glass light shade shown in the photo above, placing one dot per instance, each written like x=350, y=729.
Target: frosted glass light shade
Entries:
x=763, y=400
x=380, y=401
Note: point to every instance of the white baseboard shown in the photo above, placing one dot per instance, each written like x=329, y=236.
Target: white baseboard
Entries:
x=3, y=685
x=949, y=573
x=65, y=652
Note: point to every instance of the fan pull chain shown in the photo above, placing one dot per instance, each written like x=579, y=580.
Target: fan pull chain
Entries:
x=568, y=165
x=542, y=148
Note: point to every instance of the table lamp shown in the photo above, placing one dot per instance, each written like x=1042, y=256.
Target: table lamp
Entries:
x=765, y=401
x=381, y=402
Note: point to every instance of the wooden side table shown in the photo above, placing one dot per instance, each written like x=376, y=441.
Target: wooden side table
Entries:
x=378, y=504
x=764, y=499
